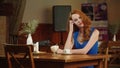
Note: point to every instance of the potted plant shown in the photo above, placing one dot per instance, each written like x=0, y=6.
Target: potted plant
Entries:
x=114, y=28
x=29, y=28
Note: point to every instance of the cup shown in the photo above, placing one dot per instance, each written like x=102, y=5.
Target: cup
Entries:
x=67, y=51
x=54, y=48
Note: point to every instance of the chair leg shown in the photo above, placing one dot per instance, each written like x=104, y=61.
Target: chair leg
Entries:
x=106, y=60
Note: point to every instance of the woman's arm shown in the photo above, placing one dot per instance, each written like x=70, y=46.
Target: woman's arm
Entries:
x=69, y=42
x=91, y=42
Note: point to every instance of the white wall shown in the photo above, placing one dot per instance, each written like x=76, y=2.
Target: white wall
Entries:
x=42, y=9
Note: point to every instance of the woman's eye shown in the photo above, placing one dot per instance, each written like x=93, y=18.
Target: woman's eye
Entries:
x=79, y=17
x=75, y=19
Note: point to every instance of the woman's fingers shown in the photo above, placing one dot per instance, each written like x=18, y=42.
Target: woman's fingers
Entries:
x=60, y=51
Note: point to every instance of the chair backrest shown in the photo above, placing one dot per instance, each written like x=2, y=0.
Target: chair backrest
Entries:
x=103, y=49
x=19, y=55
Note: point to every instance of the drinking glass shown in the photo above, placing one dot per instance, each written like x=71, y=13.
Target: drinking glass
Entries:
x=54, y=48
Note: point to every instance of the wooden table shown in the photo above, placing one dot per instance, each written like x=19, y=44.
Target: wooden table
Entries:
x=48, y=60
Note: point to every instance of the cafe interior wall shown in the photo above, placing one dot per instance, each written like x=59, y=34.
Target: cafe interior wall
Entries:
x=42, y=9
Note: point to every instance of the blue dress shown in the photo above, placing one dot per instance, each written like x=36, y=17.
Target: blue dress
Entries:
x=77, y=45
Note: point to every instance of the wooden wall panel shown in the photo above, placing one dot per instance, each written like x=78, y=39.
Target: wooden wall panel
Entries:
x=45, y=32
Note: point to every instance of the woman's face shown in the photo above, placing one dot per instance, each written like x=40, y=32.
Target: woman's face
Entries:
x=77, y=20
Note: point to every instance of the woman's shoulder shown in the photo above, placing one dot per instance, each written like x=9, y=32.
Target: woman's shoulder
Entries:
x=94, y=30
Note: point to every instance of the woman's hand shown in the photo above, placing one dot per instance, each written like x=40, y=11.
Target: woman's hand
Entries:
x=60, y=51
x=71, y=25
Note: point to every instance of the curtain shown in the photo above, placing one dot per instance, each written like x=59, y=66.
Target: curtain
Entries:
x=15, y=19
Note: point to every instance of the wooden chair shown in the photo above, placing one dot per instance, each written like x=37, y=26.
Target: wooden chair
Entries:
x=103, y=49
x=19, y=55
x=114, y=50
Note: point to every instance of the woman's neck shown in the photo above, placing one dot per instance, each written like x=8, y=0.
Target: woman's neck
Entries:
x=81, y=30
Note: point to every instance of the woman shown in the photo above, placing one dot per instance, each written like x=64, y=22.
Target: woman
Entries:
x=82, y=39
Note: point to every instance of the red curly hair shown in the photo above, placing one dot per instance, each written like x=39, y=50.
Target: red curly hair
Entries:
x=86, y=21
